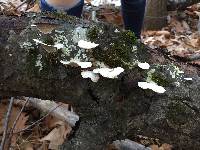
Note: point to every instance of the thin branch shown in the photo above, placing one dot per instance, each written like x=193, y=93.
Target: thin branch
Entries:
x=15, y=122
x=6, y=123
x=26, y=1
x=38, y=120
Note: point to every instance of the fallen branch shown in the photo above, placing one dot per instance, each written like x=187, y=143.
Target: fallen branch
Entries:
x=60, y=112
x=15, y=122
x=128, y=145
x=28, y=127
x=6, y=122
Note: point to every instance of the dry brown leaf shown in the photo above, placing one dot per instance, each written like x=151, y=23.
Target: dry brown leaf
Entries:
x=197, y=62
x=15, y=110
x=166, y=147
x=165, y=33
x=3, y=111
x=185, y=25
x=162, y=147
x=177, y=25
x=46, y=28
x=35, y=8
x=51, y=121
x=58, y=135
x=112, y=17
x=154, y=147
x=28, y=146
x=21, y=123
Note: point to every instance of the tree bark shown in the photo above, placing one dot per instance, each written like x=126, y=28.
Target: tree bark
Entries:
x=156, y=11
x=180, y=4
x=111, y=109
x=156, y=15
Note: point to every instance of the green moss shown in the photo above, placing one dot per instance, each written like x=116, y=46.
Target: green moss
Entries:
x=160, y=79
x=178, y=113
x=49, y=61
x=48, y=40
x=117, y=52
x=31, y=62
x=128, y=37
x=93, y=33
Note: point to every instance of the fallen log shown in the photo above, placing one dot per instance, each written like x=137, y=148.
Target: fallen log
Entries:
x=180, y=4
x=160, y=102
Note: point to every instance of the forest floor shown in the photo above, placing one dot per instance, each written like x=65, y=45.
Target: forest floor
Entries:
x=181, y=38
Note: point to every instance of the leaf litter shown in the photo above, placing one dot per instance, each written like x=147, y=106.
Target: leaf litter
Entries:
x=49, y=133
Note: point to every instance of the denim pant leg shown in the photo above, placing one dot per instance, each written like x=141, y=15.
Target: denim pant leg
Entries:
x=133, y=15
x=76, y=10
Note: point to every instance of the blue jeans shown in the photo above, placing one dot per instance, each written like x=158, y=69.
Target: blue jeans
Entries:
x=133, y=15
x=75, y=11
x=132, y=11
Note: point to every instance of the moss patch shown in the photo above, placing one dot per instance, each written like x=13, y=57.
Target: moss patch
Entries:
x=30, y=65
x=160, y=79
x=115, y=52
x=48, y=40
x=178, y=113
x=93, y=33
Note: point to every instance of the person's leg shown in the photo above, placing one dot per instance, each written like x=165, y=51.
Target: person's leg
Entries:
x=76, y=10
x=45, y=7
x=133, y=15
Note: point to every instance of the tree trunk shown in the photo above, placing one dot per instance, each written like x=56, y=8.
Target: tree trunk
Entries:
x=180, y=4
x=156, y=15
x=156, y=12
x=110, y=109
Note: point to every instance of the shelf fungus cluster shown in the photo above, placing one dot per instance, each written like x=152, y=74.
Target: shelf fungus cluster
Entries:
x=96, y=53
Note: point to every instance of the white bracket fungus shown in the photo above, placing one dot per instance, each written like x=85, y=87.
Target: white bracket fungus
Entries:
x=86, y=45
x=152, y=86
x=77, y=63
x=109, y=73
x=144, y=65
x=89, y=74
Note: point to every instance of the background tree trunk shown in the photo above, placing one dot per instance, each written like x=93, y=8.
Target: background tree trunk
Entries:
x=156, y=14
x=180, y=4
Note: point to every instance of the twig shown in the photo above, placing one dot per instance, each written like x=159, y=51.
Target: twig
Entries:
x=15, y=122
x=6, y=123
x=38, y=120
x=26, y=1
x=61, y=113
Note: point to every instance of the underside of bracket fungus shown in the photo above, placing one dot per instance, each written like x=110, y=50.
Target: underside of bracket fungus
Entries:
x=120, y=88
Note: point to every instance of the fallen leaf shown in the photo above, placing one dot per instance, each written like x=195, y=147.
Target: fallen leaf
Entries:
x=162, y=147
x=46, y=28
x=58, y=135
x=154, y=147
x=35, y=8
x=165, y=33
x=166, y=147
x=21, y=123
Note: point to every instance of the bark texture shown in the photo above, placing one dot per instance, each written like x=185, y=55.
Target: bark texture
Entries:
x=180, y=4
x=156, y=15
x=156, y=11
x=111, y=109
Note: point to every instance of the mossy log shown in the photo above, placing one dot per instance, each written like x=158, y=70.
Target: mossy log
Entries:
x=110, y=109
